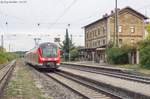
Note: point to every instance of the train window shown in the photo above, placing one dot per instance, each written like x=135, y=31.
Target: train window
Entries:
x=49, y=51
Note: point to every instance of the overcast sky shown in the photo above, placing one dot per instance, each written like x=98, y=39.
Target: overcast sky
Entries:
x=53, y=17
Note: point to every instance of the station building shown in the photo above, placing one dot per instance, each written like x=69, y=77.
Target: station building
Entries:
x=98, y=34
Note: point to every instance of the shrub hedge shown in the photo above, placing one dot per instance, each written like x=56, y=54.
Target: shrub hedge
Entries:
x=5, y=57
x=116, y=55
x=145, y=53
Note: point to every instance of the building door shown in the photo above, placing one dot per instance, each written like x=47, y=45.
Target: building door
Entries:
x=102, y=57
x=133, y=57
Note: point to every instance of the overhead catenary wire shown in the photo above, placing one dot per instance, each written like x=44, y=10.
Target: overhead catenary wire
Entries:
x=64, y=12
x=24, y=21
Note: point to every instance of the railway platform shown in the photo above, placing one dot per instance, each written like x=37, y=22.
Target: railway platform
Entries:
x=97, y=65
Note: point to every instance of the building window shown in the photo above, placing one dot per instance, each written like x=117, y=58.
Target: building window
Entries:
x=120, y=41
x=132, y=29
x=95, y=33
x=99, y=42
x=103, y=30
x=103, y=42
x=95, y=44
x=120, y=29
x=132, y=41
x=98, y=31
x=87, y=35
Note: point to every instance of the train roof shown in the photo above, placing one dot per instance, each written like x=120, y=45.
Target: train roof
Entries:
x=47, y=43
x=42, y=45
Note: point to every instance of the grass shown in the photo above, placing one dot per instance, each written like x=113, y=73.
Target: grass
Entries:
x=22, y=86
x=6, y=56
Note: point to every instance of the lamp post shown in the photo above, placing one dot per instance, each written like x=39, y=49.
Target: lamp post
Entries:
x=69, y=42
x=117, y=35
x=116, y=24
x=37, y=39
x=2, y=38
x=7, y=32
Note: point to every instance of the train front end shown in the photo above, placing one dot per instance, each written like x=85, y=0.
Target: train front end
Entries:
x=49, y=56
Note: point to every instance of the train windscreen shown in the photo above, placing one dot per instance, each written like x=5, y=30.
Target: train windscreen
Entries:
x=49, y=51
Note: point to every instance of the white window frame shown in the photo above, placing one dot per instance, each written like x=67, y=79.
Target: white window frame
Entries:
x=132, y=41
x=120, y=29
x=132, y=29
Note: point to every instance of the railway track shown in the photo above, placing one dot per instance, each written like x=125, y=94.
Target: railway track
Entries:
x=123, y=90
x=5, y=73
x=90, y=86
x=3, y=65
x=111, y=72
x=85, y=89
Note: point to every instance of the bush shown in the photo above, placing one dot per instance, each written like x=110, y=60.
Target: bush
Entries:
x=10, y=56
x=5, y=57
x=74, y=54
x=145, y=53
x=117, y=55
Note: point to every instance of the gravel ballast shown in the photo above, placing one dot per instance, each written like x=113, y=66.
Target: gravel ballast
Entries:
x=28, y=83
x=52, y=88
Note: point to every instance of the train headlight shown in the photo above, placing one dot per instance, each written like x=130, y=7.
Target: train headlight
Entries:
x=43, y=59
x=57, y=63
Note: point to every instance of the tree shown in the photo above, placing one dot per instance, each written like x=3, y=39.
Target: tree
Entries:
x=148, y=30
x=148, y=27
x=67, y=46
x=145, y=53
x=144, y=48
x=74, y=54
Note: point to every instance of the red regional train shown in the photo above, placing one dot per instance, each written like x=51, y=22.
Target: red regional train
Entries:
x=46, y=55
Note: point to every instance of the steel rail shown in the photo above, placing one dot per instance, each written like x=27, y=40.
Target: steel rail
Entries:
x=3, y=65
x=113, y=73
x=5, y=74
x=115, y=91
x=67, y=86
x=44, y=74
x=108, y=94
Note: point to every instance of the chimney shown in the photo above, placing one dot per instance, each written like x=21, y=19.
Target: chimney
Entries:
x=112, y=11
x=105, y=15
x=118, y=9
